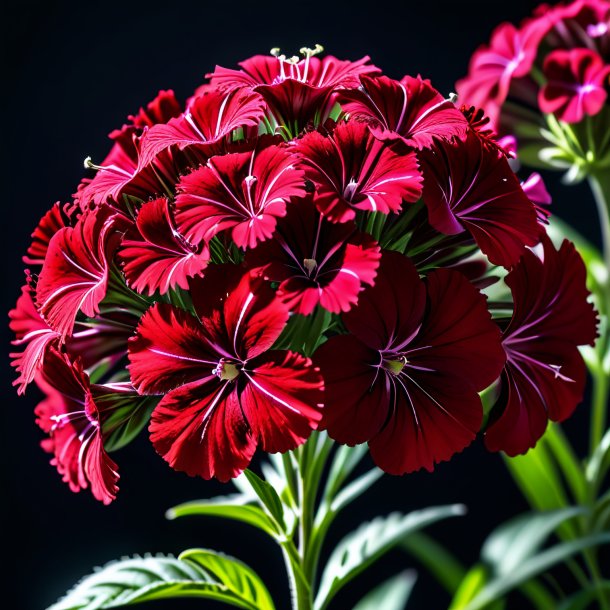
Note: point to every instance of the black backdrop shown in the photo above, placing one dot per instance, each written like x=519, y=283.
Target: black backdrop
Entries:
x=74, y=71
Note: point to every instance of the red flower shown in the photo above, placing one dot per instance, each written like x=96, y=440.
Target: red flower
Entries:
x=510, y=55
x=245, y=192
x=119, y=167
x=411, y=110
x=468, y=186
x=295, y=91
x=70, y=416
x=317, y=262
x=75, y=274
x=226, y=391
x=33, y=334
x=576, y=81
x=155, y=256
x=353, y=171
x=544, y=376
x=406, y=377
x=55, y=219
x=209, y=119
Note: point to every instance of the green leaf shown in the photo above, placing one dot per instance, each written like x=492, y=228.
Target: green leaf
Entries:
x=355, y=489
x=393, y=594
x=233, y=507
x=370, y=541
x=139, y=579
x=344, y=462
x=582, y=599
x=520, y=538
x=599, y=463
x=240, y=580
x=532, y=567
x=474, y=580
x=268, y=496
x=128, y=414
x=436, y=559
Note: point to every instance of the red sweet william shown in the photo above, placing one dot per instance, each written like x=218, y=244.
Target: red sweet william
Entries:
x=406, y=377
x=470, y=187
x=576, y=84
x=352, y=171
x=225, y=391
x=245, y=192
x=76, y=270
x=71, y=418
x=317, y=262
x=155, y=256
x=544, y=376
x=410, y=110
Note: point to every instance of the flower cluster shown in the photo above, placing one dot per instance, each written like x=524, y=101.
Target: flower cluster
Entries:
x=556, y=62
x=307, y=244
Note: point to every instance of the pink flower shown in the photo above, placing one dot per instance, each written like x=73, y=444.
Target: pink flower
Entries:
x=224, y=390
x=410, y=110
x=576, y=84
x=352, y=171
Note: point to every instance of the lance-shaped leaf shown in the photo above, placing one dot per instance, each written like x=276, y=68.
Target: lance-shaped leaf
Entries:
x=196, y=573
x=370, y=541
x=393, y=594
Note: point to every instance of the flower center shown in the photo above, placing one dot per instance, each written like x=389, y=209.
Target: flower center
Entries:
x=226, y=371
x=395, y=365
x=350, y=189
x=310, y=264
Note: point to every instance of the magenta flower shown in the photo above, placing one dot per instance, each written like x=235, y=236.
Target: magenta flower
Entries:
x=405, y=378
x=224, y=390
x=576, y=84
x=352, y=171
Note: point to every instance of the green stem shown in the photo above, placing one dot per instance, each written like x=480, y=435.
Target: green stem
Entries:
x=300, y=590
x=600, y=186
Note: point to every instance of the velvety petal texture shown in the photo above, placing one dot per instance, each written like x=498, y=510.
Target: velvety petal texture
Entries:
x=544, y=377
x=224, y=392
x=406, y=377
x=468, y=187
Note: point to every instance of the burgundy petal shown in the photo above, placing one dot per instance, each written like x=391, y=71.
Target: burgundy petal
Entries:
x=468, y=186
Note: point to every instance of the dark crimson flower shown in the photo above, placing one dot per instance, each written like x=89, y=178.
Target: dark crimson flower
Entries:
x=155, y=256
x=535, y=189
x=544, y=376
x=119, y=168
x=317, y=262
x=411, y=110
x=33, y=334
x=510, y=55
x=480, y=124
x=225, y=391
x=406, y=377
x=576, y=84
x=209, y=119
x=75, y=274
x=245, y=192
x=353, y=171
x=70, y=416
x=468, y=187
x=296, y=91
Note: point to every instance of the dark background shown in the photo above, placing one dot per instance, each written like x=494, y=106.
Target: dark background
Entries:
x=73, y=71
